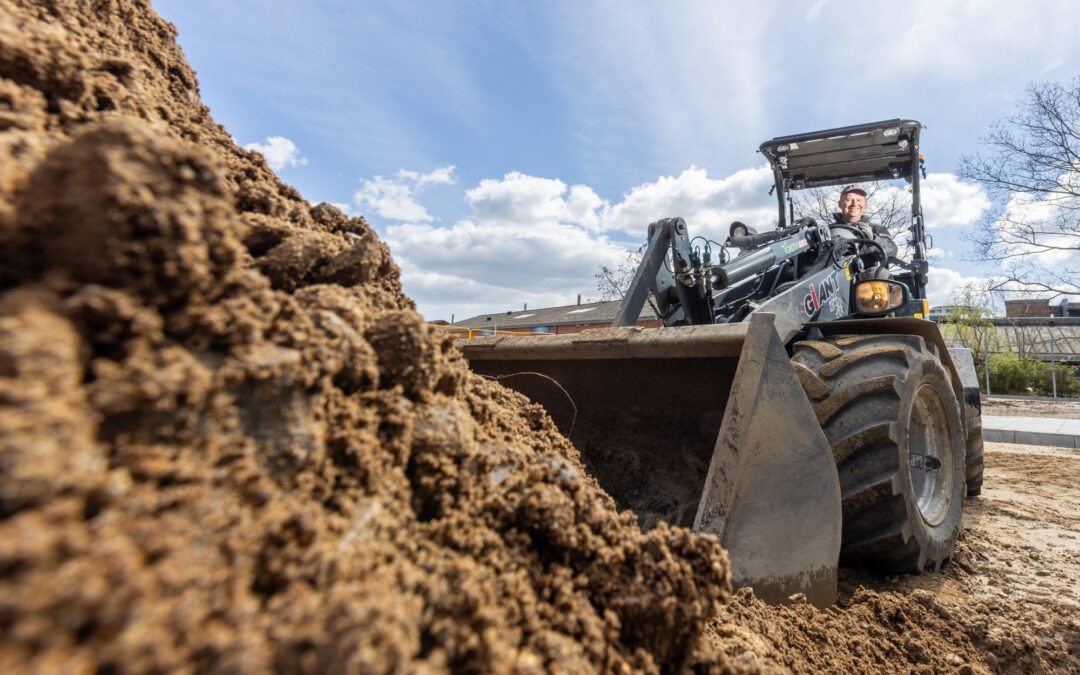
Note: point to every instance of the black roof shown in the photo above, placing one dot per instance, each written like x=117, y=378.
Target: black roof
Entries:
x=586, y=313
x=855, y=154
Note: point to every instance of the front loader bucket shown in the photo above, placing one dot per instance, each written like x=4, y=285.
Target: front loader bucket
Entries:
x=701, y=426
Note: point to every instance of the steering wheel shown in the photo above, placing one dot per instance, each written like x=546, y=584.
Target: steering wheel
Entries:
x=860, y=238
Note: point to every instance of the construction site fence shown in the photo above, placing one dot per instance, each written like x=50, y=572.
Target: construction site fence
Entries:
x=1064, y=373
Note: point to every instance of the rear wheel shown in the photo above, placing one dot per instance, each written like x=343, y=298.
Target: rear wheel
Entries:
x=974, y=471
x=888, y=409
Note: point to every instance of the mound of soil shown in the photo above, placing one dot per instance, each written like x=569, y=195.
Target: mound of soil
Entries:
x=229, y=442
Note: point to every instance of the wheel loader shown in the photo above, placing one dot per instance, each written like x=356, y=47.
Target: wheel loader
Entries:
x=796, y=403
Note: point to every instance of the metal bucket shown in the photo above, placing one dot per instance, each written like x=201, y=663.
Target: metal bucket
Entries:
x=701, y=426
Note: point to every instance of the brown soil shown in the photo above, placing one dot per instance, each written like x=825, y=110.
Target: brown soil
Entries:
x=1026, y=407
x=227, y=441
x=1012, y=591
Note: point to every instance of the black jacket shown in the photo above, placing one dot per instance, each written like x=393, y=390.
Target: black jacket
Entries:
x=870, y=230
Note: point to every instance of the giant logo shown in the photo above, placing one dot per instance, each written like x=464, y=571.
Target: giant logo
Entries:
x=813, y=300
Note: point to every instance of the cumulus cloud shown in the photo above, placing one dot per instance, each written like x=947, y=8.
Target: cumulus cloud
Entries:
x=280, y=152
x=1037, y=241
x=946, y=286
x=395, y=198
x=536, y=240
x=442, y=176
x=527, y=240
x=521, y=199
x=709, y=204
x=949, y=201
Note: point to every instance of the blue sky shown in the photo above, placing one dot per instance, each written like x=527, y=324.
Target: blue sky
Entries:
x=506, y=149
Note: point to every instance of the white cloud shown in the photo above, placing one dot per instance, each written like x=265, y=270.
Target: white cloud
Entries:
x=442, y=176
x=1040, y=237
x=536, y=240
x=946, y=286
x=279, y=152
x=815, y=10
x=707, y=204
x=472, y=268
x=521, y=199
x=948, y=201
x=1050, y=67
x=967, y=39
x=528, y=240
x=395, y=198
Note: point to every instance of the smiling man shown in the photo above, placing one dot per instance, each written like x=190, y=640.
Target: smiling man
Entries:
x=852, y=204
x=852, y=207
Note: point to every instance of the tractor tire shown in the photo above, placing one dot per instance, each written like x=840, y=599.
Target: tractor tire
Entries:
x=973, y=471
x=889, y=411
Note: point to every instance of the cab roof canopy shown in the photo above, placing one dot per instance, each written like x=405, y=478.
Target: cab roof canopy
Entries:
x=863, y=152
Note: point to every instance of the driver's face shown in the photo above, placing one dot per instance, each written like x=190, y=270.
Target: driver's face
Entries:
x=852, y=206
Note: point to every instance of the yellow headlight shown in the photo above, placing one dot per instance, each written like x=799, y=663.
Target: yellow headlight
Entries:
x=877, y=297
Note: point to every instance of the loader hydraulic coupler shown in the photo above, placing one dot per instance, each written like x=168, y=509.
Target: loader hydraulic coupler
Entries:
x=701, y=426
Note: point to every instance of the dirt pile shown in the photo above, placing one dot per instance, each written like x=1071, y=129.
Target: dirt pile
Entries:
x=227, y=440
x=871, y=632
x=228, y=443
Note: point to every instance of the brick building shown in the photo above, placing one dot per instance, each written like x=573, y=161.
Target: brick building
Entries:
x=1027, y=307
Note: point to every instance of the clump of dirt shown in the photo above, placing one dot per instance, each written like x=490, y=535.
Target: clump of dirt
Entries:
x=874, y=632
x=228, y=441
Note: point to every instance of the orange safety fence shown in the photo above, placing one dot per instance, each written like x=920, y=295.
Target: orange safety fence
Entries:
x=469, y=333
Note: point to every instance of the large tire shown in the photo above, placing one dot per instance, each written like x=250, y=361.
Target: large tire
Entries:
x=888, y=409
x=973, y=472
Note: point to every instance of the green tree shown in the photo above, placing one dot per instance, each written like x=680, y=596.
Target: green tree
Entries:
x=969, y=325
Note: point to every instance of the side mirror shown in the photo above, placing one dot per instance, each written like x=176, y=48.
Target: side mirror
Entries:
x=876, y=297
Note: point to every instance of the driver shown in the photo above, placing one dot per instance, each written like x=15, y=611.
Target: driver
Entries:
x=852, y=205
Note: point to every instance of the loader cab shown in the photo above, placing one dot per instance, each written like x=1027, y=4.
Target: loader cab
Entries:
x=862, y=153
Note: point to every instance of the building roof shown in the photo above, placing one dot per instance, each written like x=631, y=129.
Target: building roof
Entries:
x=589, y=312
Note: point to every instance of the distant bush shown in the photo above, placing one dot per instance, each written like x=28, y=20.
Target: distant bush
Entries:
x=1010, y=374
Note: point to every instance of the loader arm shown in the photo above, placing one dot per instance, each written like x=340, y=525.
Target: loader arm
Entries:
x=698, y=292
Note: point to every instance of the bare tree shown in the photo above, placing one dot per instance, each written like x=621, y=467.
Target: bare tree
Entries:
x=889, y=207
x=613, y=282
x=1031, y=167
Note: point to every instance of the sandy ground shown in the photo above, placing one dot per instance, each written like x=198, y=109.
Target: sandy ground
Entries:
x=1014, y=585
x=1021, y=407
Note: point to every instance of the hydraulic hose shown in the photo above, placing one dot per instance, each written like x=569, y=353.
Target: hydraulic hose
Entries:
x=755, y=240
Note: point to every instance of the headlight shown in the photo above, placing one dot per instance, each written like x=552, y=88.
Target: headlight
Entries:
x=879, y=296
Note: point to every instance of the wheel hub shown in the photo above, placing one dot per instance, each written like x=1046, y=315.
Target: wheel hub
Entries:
x=929, y=456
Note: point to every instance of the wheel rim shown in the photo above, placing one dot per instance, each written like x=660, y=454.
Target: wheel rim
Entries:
x=930, y=461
